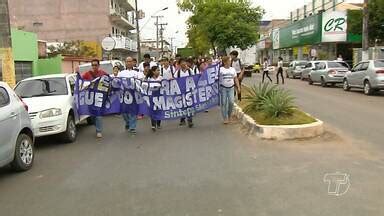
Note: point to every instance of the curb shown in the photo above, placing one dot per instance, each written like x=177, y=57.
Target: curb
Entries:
x=278, y=132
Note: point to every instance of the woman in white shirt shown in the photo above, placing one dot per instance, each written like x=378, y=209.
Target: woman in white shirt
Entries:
x=265, y=70
x=228, y=82
x=154, y=76
x=279, y=70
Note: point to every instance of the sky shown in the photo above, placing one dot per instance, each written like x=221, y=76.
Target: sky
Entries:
x=176, y=28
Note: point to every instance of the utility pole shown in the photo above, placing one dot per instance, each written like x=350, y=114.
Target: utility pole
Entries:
x=172, y=38
x=161, y=36
x=157, y=29
x=365, y=44
x=137, y=33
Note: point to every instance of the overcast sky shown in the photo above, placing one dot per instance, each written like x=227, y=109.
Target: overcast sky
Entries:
x=176, y=27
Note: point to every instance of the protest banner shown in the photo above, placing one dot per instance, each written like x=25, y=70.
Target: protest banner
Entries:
x=161, y=100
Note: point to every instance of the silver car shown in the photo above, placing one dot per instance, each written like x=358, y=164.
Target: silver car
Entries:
x=16, y=136
x=309, y=67
x=328, y=72
x=368, y=75
x=295, y=68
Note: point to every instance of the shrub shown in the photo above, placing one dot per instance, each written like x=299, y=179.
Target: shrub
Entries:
x=256, y=95
x=272, y=101
x=278, y=103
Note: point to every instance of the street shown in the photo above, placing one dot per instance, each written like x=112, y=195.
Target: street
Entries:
x=210, y=169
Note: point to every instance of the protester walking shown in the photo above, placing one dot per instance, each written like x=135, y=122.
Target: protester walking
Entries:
x=89, y=76
x=147, y=59
x=129, y=118
x=228, y=81
x=184, y=71
x=115, y=71
x=265, y=70
x=236, y=64
x=154, y=78
x=280, y=70
x=167, y=71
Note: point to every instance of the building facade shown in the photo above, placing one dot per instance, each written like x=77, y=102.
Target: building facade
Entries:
x=322, y=35
x=86, y=20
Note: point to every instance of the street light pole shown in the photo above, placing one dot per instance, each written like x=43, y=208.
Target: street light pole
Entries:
x=137, y=33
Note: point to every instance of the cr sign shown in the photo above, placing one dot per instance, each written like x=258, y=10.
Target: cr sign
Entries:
x=334, y=26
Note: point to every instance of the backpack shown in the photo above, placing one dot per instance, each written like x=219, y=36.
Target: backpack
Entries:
x=162, y=71
x=178, y=73
x=239, y=63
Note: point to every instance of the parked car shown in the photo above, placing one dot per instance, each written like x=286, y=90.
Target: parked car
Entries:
x=328, y=72
x=16, y=134
x=51, y=105
x=106, y=66
x=310, y=66
x=295, y=68
x=368, y=75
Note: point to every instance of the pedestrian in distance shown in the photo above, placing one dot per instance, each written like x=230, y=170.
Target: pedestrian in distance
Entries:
x=280, y=71
x=228, y=82
x=184, y=71
x=129, y=119
x=265, y=70
x=154, y=78
x=89, y=76
x=236, y=64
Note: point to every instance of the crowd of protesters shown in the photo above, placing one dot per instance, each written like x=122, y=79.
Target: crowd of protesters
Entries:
x=230, y=76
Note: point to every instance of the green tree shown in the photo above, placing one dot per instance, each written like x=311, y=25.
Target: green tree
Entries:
x=199, y=41
x=73, y=48
x=223, y=23
x=376, y=21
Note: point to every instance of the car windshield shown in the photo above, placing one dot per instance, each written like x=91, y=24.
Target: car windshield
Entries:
x=379, y=63
x=337, y=65
x=105, y=67
x=41, y=87
x=301, y=64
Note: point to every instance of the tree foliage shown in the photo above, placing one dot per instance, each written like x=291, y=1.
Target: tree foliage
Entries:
x=222, y=23
x=376, y=21
x=73, y=48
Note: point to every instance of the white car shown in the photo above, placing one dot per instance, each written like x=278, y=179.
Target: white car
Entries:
x=16, y=136
x=51, y=105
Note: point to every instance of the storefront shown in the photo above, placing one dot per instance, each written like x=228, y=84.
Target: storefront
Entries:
x=322, y=36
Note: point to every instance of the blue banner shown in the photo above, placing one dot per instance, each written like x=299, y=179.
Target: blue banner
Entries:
x=161, y=100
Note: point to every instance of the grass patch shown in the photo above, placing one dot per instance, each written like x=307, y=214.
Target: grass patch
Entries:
x=296, y=117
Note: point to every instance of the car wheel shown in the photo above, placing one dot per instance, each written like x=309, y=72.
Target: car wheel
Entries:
x=323, y=83
x=24, y=153
x=310, y=82
x=301, y=77
x=70, y=134
x=367, y=88
x=346, y=86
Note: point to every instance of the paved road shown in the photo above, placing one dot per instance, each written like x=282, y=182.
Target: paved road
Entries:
x=211, y=169
x=357, y=115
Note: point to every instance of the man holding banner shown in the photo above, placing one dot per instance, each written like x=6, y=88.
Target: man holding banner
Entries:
x=89, y=76
x=129, y=118
x=184, y=71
